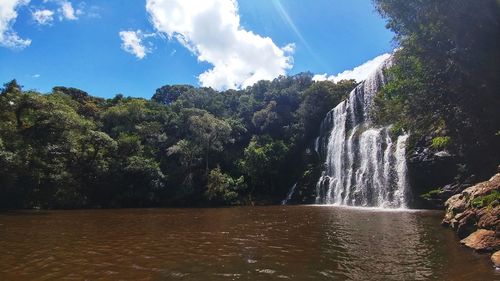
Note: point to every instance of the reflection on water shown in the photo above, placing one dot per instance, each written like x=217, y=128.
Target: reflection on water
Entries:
x=259, y=243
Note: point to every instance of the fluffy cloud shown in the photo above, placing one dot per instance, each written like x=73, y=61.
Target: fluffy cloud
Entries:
x=65, y=10
x=8, y=15
x=211, y=30
x=68, y=12
x=43, y=17
x=132, y=43
x=358, y=73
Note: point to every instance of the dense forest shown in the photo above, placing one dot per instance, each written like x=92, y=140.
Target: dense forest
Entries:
x=185, y=146
x=198, y=147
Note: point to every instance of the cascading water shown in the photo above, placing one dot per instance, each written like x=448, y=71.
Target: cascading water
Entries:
x=363, y=167
x=289, y=194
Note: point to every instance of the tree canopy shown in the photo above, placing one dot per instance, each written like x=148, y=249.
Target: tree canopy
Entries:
x=186, y=146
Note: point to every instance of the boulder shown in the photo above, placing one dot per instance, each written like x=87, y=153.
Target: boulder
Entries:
x=466, y=224
x=458, y=206
x=495, y=258
x=489, y=218
x=482, y=241
x=474, y=213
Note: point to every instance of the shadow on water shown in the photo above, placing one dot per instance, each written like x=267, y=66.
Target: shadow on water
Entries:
x=24, y=213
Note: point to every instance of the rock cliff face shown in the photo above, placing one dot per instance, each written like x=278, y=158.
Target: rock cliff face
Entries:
x=436, y=174
x=475, y=215
x=428, y=170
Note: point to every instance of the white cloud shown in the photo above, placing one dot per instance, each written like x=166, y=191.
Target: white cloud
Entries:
x=358, y=73
x=43, y=17
x=320, y=77
x=35, y=76
x=8, y=14
x=211, y=30
x=67, y=11
x=132, y=42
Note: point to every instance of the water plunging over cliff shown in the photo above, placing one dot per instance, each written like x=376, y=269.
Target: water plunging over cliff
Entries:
x=363, y=166
x=289, y=194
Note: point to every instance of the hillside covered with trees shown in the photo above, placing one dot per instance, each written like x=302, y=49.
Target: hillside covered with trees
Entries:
x=185, y=146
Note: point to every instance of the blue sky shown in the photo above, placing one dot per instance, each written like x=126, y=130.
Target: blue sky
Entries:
x=122, y=46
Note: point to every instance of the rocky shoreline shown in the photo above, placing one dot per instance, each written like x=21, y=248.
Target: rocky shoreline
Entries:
x=474, y=214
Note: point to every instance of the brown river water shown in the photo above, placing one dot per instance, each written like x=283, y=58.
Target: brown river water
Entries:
x=243, y=243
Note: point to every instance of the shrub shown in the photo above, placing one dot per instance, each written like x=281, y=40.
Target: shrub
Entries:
x=429, y=195
x=487, y=200
x=441, y=143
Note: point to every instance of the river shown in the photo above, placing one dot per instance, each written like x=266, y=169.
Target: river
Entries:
x=241, y=243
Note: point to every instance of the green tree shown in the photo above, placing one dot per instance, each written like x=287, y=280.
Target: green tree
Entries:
x=262, y=164
x=222, y=189
x=209, y=133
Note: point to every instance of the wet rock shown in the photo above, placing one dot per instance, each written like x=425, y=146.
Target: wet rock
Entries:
x=455, y=206
x=436, y=199
x=428, y=171
x=495, y=258
x=443, y=154
x=466, y=224
x=474, y=213
x=451, y=189
x=489, y=218
x=482, y=241
x=460, y=205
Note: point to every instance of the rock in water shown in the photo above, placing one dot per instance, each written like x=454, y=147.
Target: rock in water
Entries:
x=475, y=207
x=489, y=218
x=475, y=214
x=495, y=258
x=482, y=241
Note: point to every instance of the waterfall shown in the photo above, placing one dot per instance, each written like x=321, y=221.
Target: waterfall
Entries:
x=289, y=195
x=363, y=166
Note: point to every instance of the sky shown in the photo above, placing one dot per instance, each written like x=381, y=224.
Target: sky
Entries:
x=106, y=47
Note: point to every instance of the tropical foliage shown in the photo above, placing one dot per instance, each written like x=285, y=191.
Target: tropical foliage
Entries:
x=186, y=146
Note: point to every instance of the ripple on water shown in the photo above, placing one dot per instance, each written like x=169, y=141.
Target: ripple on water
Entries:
x=266, y=271
x=296, y=242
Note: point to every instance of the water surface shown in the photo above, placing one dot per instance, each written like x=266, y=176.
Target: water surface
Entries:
x=244, y=243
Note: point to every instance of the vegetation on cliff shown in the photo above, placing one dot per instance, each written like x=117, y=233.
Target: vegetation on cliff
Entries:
x=444, y=89
x=444, y=86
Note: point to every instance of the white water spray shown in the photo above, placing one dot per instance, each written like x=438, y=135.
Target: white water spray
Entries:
x=363, y=167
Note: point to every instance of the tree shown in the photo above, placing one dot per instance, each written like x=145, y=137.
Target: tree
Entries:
x=169, y=94
x=267, y=119
x=222, y=189
x=143, y=182
x=262, y=163
x=209, y=133
x=11, y=87
x=189, y=153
